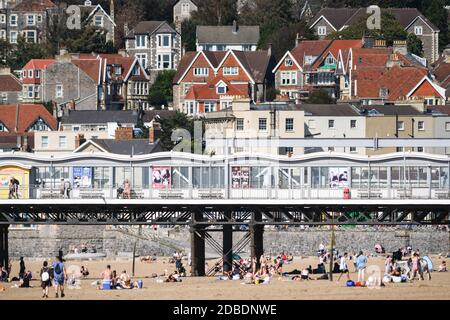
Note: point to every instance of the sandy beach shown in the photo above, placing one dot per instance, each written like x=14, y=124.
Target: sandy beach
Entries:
x=280, y=288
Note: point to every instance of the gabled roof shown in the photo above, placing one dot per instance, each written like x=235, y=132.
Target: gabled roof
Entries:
x=127, y=63
x=38, y=64
x=148, y=28
x=313, y=48
x=124, y=147
x=340, y=17
x=225, y=35
x=335, y=47
x=91, y=66
x=10, y=83
x=97, y=8
x=193, y=1
x=34, y=5
x=254, y=63
x=441, y=72
x=428, y=87
x=99, y=117
x=19, y=118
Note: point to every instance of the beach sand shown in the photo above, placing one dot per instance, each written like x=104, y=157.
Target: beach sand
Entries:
x=210, y=288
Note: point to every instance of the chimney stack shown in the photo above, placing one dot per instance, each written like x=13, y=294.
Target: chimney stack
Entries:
x=235, y=27
x=79, y=140
x=269, y=50
x=124, y=134
x=400, y=46
x=154, y=133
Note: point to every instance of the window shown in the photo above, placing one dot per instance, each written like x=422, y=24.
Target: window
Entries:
x=226, y=105
x=3, y=34
x=62, y=142
x=59, y=91
x=330, y=60
x=39, y=125
x=399, y=149
x=164, y=41
x=39, y=18
x=185, y=8
x=289, y=150
x=44, y=142
x=117, y=70
x=322, y=31
x=331, y=149
x=13, y=20
x=136, y=70
x=288, y=62
x=246, y=47
x=164, y=61
x=221, y=89
x=352, y=149
x=209, y=106
x=2, y=18
x=230, y=71
x=352, y=124
x=262, y=124
x=2, y=127
x=240, y=124
x=430, y=102
x=289, y=78
x=330, y=124
x=289, y=124
x=30, y=36
x=421, y=125
x=142, y=58
x=447, y=126
x=98, y=21
x=30, y=92
x=312, y=124
x=13, y=37
x=30, y=20
x=221, y=47
x=37, y=74
x=400, y=125
x=418, y=30
x=30, y=74
x=201, y=72
x=141, y=41
x=419, y=149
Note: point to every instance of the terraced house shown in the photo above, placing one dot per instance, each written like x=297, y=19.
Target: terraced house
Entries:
x=329, y=20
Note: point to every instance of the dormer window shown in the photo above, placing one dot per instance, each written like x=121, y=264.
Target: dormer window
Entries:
x=136, y=70
x=288, y=62
x=117, y=70
x=330, y=60
x=39, y=125
x=30, y=74
x=3, y=127
x=221, y=88
x=309, y=60
x=384, y=92
x=98, y=21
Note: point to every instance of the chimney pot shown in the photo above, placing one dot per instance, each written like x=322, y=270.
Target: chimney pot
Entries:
x=235, y=26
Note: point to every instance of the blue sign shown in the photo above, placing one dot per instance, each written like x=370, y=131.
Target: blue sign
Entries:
x=82, y=177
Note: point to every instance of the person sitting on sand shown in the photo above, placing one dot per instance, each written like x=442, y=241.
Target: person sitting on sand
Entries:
x=3, y=274
x=84, y=271
x=125, y=280
x=25, y=281
x=107, y=274
x=442, y=267
x=396, y=272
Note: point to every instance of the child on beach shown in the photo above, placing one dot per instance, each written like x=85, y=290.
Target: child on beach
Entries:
x=46, y=282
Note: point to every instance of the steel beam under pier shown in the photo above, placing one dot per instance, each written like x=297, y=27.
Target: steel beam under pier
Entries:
x=227, y=243
x=4, y=245
x=256, y=237
x=197, y=246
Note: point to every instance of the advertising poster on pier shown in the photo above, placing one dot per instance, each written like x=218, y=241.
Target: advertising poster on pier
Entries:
x=161, y=177
x=82, y=177
x=240, y=177
x=338, y=177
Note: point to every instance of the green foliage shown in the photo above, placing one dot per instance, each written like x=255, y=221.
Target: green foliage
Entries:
x=16, y=57
x=271, y=94
x=320, y=96
x=169, y=125
x=188, y=35
x=89, y=39
x=161, y=93
x=415, y=45
x=215, y=12
x=436, y=13
x=391, y=30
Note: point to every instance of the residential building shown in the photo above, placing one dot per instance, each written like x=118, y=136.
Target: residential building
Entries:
x=27, y=18
x=245, y=119
x=441, y=71
x=334, y=121
x=98, y=17
x=182, y=10
x=156, y=45
x=390, y=121
x=313, y=65
x=19, y=123
x=209, y=80
x=441, y=120
x=224, y=38
x=329, y=20
x=32, y=80
x=10, y=87
x=388, y=76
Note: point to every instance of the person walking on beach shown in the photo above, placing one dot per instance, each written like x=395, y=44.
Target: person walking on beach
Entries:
x=22, y=268
x=361, y=262
x=343, y=267
x=46, y=282
x=59, y=276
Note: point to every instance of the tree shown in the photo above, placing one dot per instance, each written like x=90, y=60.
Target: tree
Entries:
x=438, y=15
x=215, y=12
x=19, y=56
x=415, y=45
x=169, y=125
x=161, y=93
x=89, y=39
x=320, y=96
x=188, y=35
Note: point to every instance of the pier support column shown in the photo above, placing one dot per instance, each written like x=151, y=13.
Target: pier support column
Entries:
x=197, y=246
x=256, y=237
x=4, y=245
x=227, y=244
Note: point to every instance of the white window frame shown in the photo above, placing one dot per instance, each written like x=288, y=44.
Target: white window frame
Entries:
x=353, y=150
x=201, y=72
x=39, y=18
x=161, y=61
x=209, y=106
x=322, y=31
x=230, y=71
x=13, y=39
x=421, y=125
x=260, y=122
x=44, y=145
x=288, y=62
x=141, y=44
x=3, y=34
x=11, y=20
x=218, y=91
x=101, y=21
x=333, y=122
x=30, y=74
x=355, y=122
x=240, y=124
x=62, y=142
x=59, y=91
x=142, y=58
x=289, y=127
x=2, y=18
x=401, y=125
x=289, y=78
x=160, y=41
x=34, y=36
x=31, y=22
x=447, y=126
x=418, y=30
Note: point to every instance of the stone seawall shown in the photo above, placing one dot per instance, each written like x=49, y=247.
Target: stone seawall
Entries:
x=45, y=241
